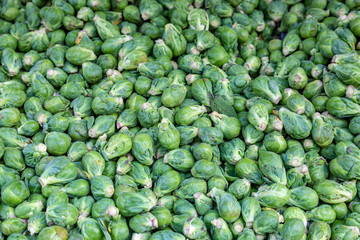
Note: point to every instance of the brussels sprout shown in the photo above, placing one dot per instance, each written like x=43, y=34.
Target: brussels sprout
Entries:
x=220, y=230
x=58, y=170
x=101, y=186
x=57, y=143
x=332, y=192
x=190, y=186
x=266, y=222
x=303, y=197
x=12, y=226
x=64, y=214
x=266, y=88
x=228, y=206
x=293, y=228
x=249, y=169
x=143, y=148
x=275, y=195
x=14, y=192
x=27, y=208
x=297, y=126
x=174, y=39
x=271, y=165
x=275, y=142
x=318, y=230
x=132, y=203
x=322, y=213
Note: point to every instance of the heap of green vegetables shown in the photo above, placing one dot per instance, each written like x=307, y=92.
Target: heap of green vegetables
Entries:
x=179, y=119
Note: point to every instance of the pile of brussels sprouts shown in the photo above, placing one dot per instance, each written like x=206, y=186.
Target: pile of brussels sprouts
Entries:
x=179, y=119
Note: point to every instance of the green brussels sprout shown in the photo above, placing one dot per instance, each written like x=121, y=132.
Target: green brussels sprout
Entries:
x=266, y=222
x=163, y=216
x=294, y=130
x=36, y=223
x=103, y=124
x=194, y=228
x=203, y=151
x=140, y=174
x=119, y=228
x=142, y=148
x=303, y=197
x=341, y=210
x=14, y=192
x=184, y=207
x=107, y=104
x=272, y=166
x=293, y=228
x=148, y=115
x=266, y=88
x=13, y=225
x=240, y=188
x=104, y=209
x=78, y=55
x=57, y=143
x=318, y=230
x=219, y=229
x=333, y=192
x=76, y=151
x=64, y=215
x=101, y=186
x=9, y=117
x=323, y=213
x=53, y=232
x=198, y=19
x=252, y=152
x=180, y=159
x=229, y=126
x=228, y=206
x=342, y=107
x=353, y=125
x=90, y=228
x=169, y=136
x=122, y=89
x=219, y=182
x=211, y=135
x=57, y=198
x=348, y=172
x=251, y=134
x=11, y=61
x=143, y=222
x=133, y=203
x=118, y=145
x=232, y=151
x=6, y=212
x=275, y=142
x=174, y=39
x=77, y=188
x=188, y=187
x=14, y=158
x=188, y=114
x=217, y=55
x=58, y=170
x=246, y=233
x=27, y=208
x=203, y=169
x=58, y=123
x=274, y=196
x=202, y=203
x=249, y=169
x=347, y=73
x=295, y=212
